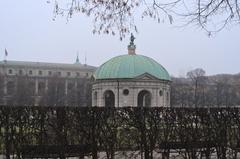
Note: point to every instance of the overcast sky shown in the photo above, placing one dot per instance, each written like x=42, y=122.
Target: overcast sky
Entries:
x=29, y=34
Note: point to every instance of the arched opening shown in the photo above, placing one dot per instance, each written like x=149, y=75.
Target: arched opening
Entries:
x=109, y=99
x=144, y=98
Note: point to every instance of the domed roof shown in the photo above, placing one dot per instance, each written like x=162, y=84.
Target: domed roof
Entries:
x=131, y=66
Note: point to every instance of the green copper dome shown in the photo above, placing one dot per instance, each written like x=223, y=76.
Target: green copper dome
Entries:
x=131, y=66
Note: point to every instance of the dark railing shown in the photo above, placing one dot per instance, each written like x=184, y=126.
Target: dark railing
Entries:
x=187, y=133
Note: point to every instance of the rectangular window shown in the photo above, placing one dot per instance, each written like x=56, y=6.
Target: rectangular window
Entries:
x=39, y=72
x=20, y=72
x=10, y=87
x=49, y=73
x=41, y=88
x=77, y=74
x=59, y=73
x=30, y=72
x=31, y=87
x=68, y=73
x=70, y=86
x=10, y=71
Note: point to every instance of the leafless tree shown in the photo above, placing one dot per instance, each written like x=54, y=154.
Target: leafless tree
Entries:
x=75, y=92
x=23, y=95
x=226, y=93
x=198, y=78
x=214, y=15
x=181, y=93
x=111, y=16
x=79, y=92
x=55, y=93
x=210, y=91
x=18, y=92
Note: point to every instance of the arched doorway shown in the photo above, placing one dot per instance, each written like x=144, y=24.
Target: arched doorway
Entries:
x=144, y=98
x=109, y=98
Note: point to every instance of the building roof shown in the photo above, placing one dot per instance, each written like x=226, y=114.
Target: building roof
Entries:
x=131, y=66
x=46, y=65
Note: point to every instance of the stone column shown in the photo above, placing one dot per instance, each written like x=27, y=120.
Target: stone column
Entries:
x=46, y=85
x=36, y=86
x=5, y=86
x=66, y=87
x=133, y=96
x=101, y=98
x=117, y=94
x=135, y=101
x=155, y=97
x=93, y=98
x=164, y=97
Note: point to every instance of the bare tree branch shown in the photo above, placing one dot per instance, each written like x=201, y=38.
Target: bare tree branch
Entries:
x=117, y=16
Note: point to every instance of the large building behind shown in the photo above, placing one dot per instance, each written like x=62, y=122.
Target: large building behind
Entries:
x=125, y=80
x=35, y=83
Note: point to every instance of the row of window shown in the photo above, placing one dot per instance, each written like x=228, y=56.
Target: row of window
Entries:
x=41, y=87
x=49, y=73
